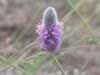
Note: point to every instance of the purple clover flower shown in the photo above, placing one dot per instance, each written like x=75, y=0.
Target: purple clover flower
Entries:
x=50, y=31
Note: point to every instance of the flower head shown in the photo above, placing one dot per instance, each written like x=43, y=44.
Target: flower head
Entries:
x=50, y=31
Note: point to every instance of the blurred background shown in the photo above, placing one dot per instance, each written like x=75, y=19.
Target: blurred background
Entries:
x=19, y=44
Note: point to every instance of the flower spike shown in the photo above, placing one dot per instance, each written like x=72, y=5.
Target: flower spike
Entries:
x=50, y=31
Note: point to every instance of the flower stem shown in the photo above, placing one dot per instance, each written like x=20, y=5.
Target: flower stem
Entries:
x=59, y=65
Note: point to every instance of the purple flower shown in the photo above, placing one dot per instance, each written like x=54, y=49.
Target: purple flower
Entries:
x=50, y=31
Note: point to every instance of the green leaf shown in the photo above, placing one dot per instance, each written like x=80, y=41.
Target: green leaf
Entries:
x=2, y=64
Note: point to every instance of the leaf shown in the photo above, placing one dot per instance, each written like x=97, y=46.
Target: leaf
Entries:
x=2, y=64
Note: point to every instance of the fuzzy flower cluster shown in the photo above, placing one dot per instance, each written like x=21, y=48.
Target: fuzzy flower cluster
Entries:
x=50, y=31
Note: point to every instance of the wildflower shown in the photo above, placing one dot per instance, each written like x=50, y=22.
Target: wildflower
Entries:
x=50, y=31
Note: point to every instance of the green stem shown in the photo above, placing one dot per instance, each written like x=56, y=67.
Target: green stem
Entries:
x=84, y=21
x=58, y=64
